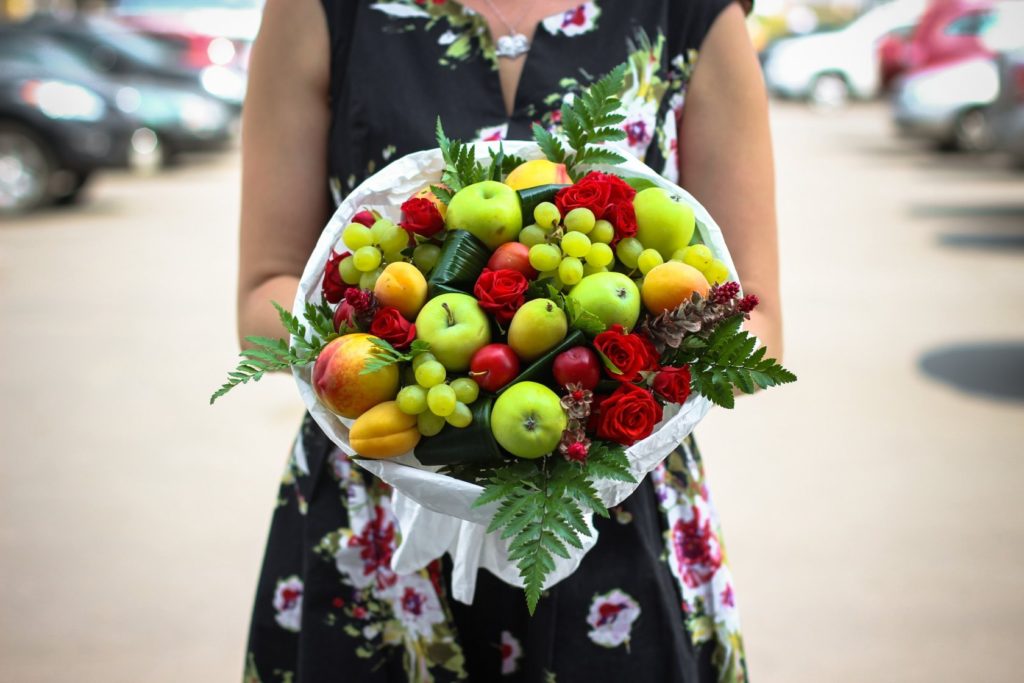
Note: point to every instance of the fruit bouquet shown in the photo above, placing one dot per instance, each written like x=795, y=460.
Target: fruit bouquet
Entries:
x=512, y=335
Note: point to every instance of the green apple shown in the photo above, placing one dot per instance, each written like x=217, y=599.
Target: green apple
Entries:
x=663, y=222
x=528, y=420
x=612, y=297
x=536, y=328
x=455, y=327
x=489, y=209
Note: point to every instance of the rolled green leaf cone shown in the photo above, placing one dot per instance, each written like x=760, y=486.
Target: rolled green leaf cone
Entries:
x=530, y=197
x=463, y=257
x=540, y=370
x=472, y=444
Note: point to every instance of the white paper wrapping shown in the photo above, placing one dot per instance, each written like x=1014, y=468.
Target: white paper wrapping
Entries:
x=435, y=512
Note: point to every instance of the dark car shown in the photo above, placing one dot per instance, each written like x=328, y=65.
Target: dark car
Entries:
x=183, y=118
x=120, y=51
x=54, y=133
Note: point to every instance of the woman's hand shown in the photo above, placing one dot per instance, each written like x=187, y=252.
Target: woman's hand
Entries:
x=285, y=123
x=726, y=163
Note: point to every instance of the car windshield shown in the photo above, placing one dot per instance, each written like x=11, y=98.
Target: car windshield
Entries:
x=41, y=52
x=123, y=39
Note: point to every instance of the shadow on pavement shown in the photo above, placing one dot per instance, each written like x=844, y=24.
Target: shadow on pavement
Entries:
x=991, y=369
x=997, y=227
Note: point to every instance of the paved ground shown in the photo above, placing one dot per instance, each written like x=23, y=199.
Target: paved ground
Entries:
x=871, y=510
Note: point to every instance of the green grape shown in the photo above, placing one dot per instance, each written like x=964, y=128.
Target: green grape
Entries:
x=546, y=215
x=430, y=374
x=356, y=236
x=422, y=358
x=600, y=255
x=425, y=256
x=580, y=220
x=590, y=269
x=441, y=400
x=628, y=250
x=531, y=235
x=429, y=424
x=393, y=256
x=648, y=259
x=544, y=256
x=349, y=273
x=716, y=272
x=698, y=256
x=547, y=274
x=466, y=390
x=602, y=232
x=395, y=240
x=366, y=258
x=368, y=280
x=412, y=400
x=679, y=254
x=381, y=230
x=575, y=244
x=570, y=270
x=461, y=417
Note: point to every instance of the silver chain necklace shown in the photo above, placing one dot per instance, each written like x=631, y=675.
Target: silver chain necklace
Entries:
x=514, y=43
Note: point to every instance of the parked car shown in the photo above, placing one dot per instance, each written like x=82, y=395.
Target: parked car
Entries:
x=948, y=104
x=951, y=30
x=183, y=118
x=893, y=55
x=1007, y=112
x=204, y=33
x=831, y=67
x=116, y=49
x=55, y=133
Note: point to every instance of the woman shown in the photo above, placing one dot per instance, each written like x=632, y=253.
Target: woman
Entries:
x=336, y=90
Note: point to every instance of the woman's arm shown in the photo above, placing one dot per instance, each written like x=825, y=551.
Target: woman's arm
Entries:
x=726, y=163
x=285, y=198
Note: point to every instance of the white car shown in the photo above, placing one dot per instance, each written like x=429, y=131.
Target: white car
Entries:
x=831, y=67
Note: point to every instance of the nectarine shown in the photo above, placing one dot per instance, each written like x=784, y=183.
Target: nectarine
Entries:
x=338, y=380
x=670, y=284
x=537, y=172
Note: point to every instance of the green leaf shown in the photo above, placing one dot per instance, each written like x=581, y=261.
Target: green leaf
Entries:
x=442, y=193
x=549, y=144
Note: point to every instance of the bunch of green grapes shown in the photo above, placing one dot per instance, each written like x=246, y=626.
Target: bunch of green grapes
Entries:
x=425, y=256
x=567, y=253
x=700, y=257
x=371, y=248
x=435, y=402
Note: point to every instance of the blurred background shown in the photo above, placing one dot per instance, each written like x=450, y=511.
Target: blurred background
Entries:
x=871, y=510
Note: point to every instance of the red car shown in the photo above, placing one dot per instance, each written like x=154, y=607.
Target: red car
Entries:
x=949, y=30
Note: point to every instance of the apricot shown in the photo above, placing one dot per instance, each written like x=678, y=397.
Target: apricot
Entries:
x=668, y=285
x=384, y=431
x=537, y=172
x=403, y=286
x=338, y=378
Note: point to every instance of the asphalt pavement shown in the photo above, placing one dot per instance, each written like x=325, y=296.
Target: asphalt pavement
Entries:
x=871, y=510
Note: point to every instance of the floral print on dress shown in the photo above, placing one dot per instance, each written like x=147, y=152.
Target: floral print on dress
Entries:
x=611, y=618
x=385, y=610
x=697, y=559
x=466, y=32
x=511, y=651
x=492, y=133
x=288, y=603
x=573, y=22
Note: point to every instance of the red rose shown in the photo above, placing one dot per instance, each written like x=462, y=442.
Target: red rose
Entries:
x=623, y=217
x=587, y=193
x=389, y=325
x=630, y=353
x=628, y=415
x=334, y=287
x=420, y=216
x=672, y=384
x=501, y=292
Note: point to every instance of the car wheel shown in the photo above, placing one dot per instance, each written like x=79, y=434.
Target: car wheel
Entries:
x=973, y=131
x=70, y=191
x=829, y=91
x=26, y=167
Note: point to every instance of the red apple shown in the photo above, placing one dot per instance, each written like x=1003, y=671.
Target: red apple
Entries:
x=513, y=256
x=578, y=365
x=494, y=366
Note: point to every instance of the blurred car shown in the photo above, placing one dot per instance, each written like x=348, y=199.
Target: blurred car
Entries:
x=54, y=133
x=830, y=67
x=1007, y=113
x=204, y=33
x=184, y=118
x=894, y=55
x=950, y=30
x=118, y=50
x=948, y=104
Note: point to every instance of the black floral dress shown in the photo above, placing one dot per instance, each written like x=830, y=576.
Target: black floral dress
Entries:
x=653, y=601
